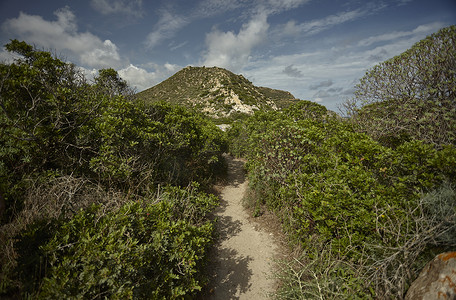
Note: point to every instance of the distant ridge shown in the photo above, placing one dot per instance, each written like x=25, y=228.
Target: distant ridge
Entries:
x=216, y=92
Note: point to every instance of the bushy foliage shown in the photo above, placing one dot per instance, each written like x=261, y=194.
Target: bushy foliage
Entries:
x=152, y=248
x=247, y=133
x=412, y=95
x=52, y=119
x=80, y=163
x=335, y=187
x=367, y=199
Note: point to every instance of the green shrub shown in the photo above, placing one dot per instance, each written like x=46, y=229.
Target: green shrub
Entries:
x=340, y=189
x=142, y=250
x=53, y=120
x=412, y=95
x=75, y=158
x=355, y=194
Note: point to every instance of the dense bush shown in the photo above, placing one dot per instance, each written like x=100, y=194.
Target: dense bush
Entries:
x=366, y=198
x=153, y=248
x=412, y=95
x=340, y=193
x=52, y=119
x=80, y=163
x=246, y=133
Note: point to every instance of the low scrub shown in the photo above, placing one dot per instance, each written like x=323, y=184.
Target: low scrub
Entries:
x=344, y=198
x=83, y=211
x=154, y=247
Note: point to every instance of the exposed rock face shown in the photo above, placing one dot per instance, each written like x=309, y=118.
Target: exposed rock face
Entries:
x=437, y=280
x=216, y=92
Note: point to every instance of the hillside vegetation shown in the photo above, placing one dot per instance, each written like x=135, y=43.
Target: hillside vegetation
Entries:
x=216, y=92
x=368, y=199
x=99, y=194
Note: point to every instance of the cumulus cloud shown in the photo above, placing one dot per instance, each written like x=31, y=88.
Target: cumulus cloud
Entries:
x=62, y=34
x=104, y=55
x=292, y=71
x=126, y=7
x=170, y=23
x=141, y=79
x=230, y=50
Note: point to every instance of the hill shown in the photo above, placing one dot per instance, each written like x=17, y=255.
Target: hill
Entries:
x=217, y=92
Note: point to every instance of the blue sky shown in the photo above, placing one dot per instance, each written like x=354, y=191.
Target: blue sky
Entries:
x=315, y=49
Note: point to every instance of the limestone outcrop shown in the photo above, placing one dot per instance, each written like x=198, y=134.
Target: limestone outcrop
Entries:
x=436, y=281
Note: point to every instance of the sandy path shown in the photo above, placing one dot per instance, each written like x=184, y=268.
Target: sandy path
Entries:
x=242, y=259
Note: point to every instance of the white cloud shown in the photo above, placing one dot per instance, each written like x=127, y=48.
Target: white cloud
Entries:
x=141, y=79
x=319, y=25
x=89, y=74
x=138, y=78
x=126, y=7
x=390, y=36
x=174, y=47
x=232, y=51
x=105, y=55
x=171, y=68
x=166, y=28
x=170, y=23
x=291, y=28
x=330, y=73
x=63, y=35
x=277, y=6
x=7, y=57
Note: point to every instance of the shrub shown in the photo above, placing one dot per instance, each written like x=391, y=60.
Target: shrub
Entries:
x=339, y=192
x=53, y=120
x=412, y=95
x=78, y=165
x=153, y=248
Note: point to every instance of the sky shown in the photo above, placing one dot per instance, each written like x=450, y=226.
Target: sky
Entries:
x=315, y=49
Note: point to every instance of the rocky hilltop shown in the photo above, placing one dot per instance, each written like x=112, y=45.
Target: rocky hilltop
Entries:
x=217, y=92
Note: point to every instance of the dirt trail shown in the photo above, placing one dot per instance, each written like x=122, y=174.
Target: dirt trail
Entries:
x=242, y=259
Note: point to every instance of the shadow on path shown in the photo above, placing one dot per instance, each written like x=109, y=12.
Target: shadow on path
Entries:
x=240, y=263
x=230, y=272
x=233, y=276
x=236, y=171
